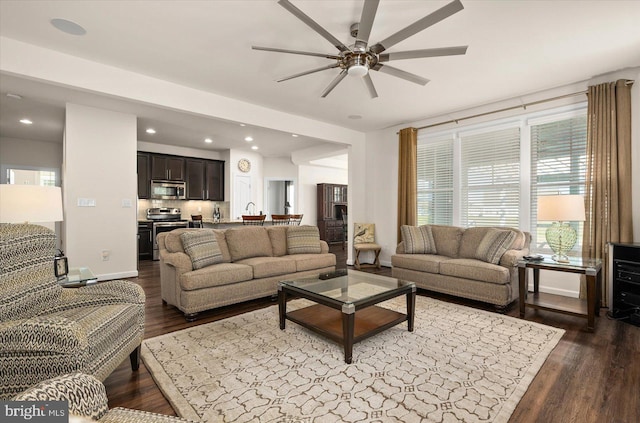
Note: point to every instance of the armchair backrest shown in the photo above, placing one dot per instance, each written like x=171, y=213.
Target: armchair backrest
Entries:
x=28, y=285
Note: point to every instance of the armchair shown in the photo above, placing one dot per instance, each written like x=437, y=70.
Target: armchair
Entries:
x=87, y=398
x=47, y=330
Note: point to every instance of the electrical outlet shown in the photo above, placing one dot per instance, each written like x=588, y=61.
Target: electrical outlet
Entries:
x=106, y=254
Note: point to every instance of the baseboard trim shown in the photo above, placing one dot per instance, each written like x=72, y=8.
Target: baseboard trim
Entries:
x=119, y=275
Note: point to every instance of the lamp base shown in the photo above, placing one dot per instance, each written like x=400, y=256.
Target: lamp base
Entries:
x=560, y=258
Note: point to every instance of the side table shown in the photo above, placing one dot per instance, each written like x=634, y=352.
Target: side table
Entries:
x=77, y=277
x=591, y=268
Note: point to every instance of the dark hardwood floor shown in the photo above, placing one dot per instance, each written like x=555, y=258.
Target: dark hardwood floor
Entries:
x=589, y=377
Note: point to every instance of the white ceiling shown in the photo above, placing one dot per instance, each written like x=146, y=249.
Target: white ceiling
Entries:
x=515, y=48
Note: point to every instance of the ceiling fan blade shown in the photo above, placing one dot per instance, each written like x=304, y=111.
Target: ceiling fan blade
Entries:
x=366, y=22
x=428, y=52
x=331, y=66
x=369, y=84
x=424, y=23
x=304, y=53
x=313, y=24
x=400, y=74
x=335, y=82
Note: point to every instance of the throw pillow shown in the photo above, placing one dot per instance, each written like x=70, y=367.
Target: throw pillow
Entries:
x=494, y=244
x=418, y=239
x=364, y=233
x=303, y=240
x=202, y=247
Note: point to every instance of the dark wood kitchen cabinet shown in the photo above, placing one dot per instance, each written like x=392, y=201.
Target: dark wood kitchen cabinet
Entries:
x=145, y=241
x=167, y=168
x=214, y=180
x=205, y=179
x=144, y=173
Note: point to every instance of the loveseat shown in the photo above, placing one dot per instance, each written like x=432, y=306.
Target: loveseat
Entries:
x=47, y=330
x=478, y=263
x=202, y=269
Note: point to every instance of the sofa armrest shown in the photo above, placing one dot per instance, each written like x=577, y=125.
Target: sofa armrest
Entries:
x=181, y=261
x=511, y=257
x=324, y=247
x=86, y=395
x=44, y=333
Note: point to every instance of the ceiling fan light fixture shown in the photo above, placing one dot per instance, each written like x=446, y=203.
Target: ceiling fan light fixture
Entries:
x=358, y=70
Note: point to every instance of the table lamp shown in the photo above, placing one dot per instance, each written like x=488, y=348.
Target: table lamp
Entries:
x=561, y=209
x=30, y=204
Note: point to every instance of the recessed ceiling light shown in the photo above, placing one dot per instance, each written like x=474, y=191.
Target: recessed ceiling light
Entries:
x=248, y=139
x=294, y=135
x=68, y=27
x=255, y=147
x=242, y=124
x=26, y=121
x=354, y=117
x=15, y=96
x=151, y=131
x=208, y=140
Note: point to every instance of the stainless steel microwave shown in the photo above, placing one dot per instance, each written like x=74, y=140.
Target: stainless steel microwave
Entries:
x=168, y=190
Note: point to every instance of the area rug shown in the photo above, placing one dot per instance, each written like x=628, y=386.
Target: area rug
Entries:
x=459, y=365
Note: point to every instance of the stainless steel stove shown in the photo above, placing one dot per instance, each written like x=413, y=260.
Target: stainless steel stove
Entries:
x=164, y=220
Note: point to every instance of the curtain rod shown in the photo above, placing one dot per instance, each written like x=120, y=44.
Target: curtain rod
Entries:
x=533, y=103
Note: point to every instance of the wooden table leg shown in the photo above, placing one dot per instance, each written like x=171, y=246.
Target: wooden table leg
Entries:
x=357, y=263
x=282, y=306
x=411, y=309
x=377, y=259
x=536, y=281
x=348, y=321
x=523, y=285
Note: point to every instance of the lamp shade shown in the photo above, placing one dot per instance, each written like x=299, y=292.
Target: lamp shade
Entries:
x=30, y=203
x=561, y=208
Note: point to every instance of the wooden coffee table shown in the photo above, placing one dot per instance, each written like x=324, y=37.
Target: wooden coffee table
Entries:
x=346, y=309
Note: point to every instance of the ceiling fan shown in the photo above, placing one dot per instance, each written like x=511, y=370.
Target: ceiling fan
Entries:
x=360, y=58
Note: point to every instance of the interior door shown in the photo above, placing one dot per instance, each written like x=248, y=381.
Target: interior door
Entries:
x=242, y=196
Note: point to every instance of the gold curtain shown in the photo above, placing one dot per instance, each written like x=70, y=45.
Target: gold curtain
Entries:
x=608, y=181
x=407, y=178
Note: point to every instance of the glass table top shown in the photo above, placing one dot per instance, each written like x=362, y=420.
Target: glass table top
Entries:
x=574, y=263
x=348, y=287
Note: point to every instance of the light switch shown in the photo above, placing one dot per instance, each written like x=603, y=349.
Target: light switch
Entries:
x=86, y=202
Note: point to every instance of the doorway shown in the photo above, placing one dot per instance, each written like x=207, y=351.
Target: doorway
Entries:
x=280, y=195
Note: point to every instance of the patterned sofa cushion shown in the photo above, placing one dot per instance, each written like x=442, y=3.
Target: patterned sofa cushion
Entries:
x=216, y=275
x=28, y=285
x=476, y=270
x=248, y=241
x=420, y=262
x=472, y=237
x=447, y=239
x=418, y=239
x=202, y=247
x=494, y=244
x=313, y=261
x=264, y=267
x=303, y=240
x=173, y=242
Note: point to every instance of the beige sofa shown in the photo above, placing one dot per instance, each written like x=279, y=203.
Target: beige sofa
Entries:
x=455, y=268
x=252, y=260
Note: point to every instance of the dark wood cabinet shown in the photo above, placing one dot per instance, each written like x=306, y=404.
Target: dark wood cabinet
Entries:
x=214, y=180
x=195, y=179
x=144, y=180
x=205, y=179
x=145, y=241
x=331, y=204
x=167, y=168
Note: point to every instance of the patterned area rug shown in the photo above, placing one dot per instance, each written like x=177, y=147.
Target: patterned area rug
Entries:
x=459, y=365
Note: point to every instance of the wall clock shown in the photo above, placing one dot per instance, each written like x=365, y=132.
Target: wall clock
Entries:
x=244, y=165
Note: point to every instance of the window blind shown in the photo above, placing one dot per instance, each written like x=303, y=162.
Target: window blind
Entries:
x=435, y=181
x=490, y=178
x=558, y=166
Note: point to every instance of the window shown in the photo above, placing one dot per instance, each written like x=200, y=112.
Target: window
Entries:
x=558, y=166
x=435, y=181
x=490, y=178
x=491, y=174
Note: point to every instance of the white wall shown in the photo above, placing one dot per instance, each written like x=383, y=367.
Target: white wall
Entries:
x=29, y=154
x=149, y=147
x=100, y=165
